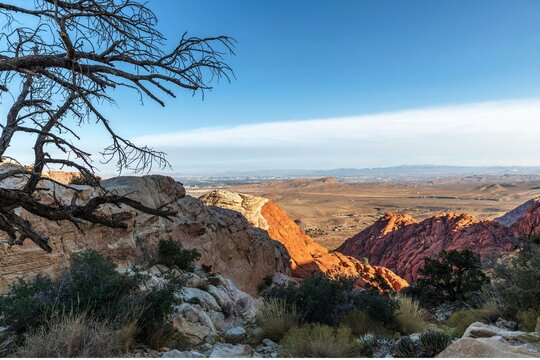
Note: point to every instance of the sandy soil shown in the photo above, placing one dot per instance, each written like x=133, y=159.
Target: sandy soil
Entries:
x=331, y=211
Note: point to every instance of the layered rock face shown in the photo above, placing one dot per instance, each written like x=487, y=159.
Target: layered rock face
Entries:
x=226, y=240
x=400, y=243
x=306, y=256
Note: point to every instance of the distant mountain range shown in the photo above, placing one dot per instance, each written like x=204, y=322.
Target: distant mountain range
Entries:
x=385, y=172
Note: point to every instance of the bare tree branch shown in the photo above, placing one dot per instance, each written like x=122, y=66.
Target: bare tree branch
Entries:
x=62, y=69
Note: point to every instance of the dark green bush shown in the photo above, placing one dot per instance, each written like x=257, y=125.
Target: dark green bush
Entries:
x=320, y=299
x=452, y=276
x=27, y=303
x=171, y=253
x=95, y=286
x=156, y=307
x=92, y=287
x=520, y=285
x=433, y=342
x=378, y=306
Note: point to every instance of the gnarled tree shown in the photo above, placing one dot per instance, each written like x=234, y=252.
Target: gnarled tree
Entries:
x=59, y=71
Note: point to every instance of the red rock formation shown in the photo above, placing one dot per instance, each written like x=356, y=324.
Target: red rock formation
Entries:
x=400, y=243
x=307, y=256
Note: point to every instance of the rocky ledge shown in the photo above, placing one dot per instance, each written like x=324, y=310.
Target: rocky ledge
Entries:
x=229, y=244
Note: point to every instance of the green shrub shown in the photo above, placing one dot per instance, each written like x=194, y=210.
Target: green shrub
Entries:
x=410, y=316
x=92, y=287
x=460, y=320
x=275, y=317
x=323, y=300
x=528, y=319
x=362, y=324
x=171, y=253
x=520, y=281
x=318, y=298
x=452, y=276
x=318, y=341
x=433, y=342
x=27, y=302
x=156, y=306
x=69, y=336
x=404, y=347
x=379, y=306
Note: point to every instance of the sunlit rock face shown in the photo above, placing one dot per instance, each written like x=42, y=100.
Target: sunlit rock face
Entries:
x=306, y=255
x=401, y=243
x=229, y=244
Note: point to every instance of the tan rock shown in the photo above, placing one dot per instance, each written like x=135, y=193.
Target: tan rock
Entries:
x=226, y=240
x=481, y=340
x=493, y=347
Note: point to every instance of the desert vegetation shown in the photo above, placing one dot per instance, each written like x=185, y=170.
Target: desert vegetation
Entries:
x=92, y=310
x=309, y=318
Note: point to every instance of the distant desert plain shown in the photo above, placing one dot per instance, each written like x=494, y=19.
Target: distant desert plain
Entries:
x=330, y=210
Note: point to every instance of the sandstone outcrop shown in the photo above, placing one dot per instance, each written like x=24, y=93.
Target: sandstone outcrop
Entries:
x=306, y=255
x=481, y=340
x=400, y=243
x=226, y=240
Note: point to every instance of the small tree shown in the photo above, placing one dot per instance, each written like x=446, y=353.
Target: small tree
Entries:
x=520, y=285
x=452, y=276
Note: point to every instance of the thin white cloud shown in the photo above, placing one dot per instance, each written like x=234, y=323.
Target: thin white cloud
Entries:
x=484, y=120
x=491, y=133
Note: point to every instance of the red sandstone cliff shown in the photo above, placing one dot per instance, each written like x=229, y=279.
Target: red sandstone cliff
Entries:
x=306, y=255
x=400, y=243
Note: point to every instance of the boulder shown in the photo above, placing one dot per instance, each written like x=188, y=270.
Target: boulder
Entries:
x=267, y=349
x=193, y=324
x=494, y=347
x=481, y=340
x=231, y=351
x=235, y=335
x=229, y=244
x=481, y=330
x=213, y=312
x=182, y=354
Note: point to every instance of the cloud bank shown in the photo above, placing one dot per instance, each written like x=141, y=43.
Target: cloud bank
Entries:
x=490, y=133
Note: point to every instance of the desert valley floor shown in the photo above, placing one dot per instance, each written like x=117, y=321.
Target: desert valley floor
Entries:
x=331, y=211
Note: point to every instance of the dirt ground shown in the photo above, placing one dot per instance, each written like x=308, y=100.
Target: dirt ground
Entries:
x=331, y=211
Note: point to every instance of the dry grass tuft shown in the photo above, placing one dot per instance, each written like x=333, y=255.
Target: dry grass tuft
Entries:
x=410, y=316
x=319, y=341
x=361, y=324
x=71, y=336
x=276, y=317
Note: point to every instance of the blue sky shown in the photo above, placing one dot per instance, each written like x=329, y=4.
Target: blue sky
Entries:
x=323, y=60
